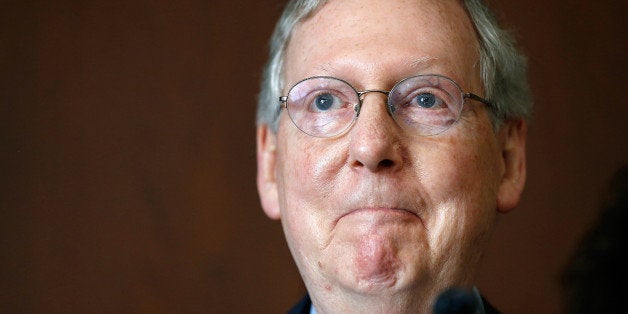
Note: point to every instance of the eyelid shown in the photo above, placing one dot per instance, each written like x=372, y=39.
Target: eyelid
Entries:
x=310, y=100
x=440, y=94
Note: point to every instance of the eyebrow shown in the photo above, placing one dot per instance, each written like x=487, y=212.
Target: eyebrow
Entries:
x=424, y=62
x=327, y=67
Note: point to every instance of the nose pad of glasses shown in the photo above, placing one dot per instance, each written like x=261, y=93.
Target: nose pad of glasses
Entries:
x=391, y=109
x=357, y=108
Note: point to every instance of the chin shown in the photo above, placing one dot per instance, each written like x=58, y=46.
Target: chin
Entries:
x=377, y=284
x=387, y=278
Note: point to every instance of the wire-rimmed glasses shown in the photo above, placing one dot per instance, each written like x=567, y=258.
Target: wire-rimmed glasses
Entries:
x=324, y=106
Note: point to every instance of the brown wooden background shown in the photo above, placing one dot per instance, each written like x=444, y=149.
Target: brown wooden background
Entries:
x=127, y=155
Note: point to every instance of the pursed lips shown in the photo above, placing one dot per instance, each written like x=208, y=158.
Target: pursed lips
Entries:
x=380, y=211
x=379, y=197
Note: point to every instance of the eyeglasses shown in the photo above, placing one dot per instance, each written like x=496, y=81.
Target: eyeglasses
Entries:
x=426, y=105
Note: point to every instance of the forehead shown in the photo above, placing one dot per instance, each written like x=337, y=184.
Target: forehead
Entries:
x=371, y=36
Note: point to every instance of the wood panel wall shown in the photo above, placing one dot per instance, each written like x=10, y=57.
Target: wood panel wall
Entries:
x=127, y=171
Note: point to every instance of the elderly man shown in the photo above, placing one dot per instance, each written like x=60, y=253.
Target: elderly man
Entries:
x=390, y=134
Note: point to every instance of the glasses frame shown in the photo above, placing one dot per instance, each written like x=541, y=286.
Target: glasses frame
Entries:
x=465, y=95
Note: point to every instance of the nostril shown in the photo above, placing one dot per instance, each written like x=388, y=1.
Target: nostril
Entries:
x=382, y=165
x=386, y=163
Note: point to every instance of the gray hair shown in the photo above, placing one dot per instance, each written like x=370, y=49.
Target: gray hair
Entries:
x=503, y=68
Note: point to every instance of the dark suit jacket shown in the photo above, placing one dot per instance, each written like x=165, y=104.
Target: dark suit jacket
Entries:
x=303, y=307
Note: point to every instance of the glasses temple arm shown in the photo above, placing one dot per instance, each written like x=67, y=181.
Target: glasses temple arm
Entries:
x=477, y=98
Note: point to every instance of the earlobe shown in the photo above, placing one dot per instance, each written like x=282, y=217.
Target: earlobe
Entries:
x=514, y=160
x=266, y=166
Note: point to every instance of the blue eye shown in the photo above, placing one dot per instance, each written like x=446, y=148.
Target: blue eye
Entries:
x=324, y=101
x=426, y=100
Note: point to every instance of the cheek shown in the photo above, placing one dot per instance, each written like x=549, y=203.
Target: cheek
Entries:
x=308, y=169
x=308, y=172
x=461, y=166
x=461, y=179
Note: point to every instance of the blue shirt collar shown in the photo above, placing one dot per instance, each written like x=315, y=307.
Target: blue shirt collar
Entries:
x=476, y=294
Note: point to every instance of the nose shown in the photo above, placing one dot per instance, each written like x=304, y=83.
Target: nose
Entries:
x=375, y=138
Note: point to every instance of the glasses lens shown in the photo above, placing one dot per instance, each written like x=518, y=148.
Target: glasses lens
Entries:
x=322, y=106
x=427, y=104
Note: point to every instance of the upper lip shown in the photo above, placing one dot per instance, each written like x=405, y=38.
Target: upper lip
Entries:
x=352, y=210
x=393, y=208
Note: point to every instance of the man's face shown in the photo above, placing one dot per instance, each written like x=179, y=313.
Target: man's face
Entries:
x=378, y=210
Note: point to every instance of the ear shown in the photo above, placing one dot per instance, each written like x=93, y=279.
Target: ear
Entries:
x=513, y=135
x=266, y=166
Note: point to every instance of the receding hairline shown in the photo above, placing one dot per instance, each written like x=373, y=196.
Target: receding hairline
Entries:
x=502, y=65
x=463, y=34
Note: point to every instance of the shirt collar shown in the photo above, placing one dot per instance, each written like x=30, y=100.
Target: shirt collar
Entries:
x=475, y=291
